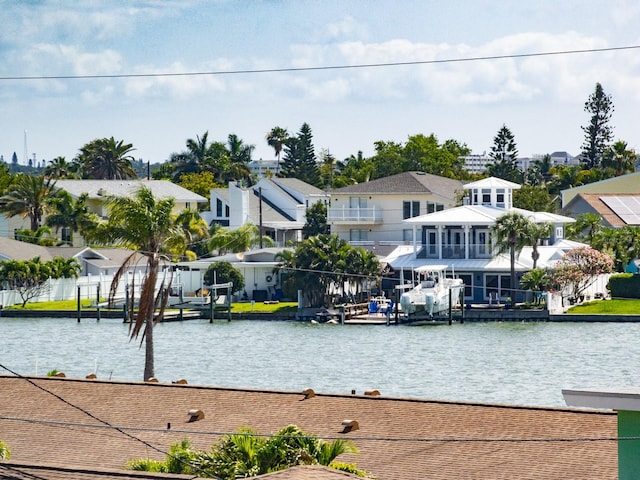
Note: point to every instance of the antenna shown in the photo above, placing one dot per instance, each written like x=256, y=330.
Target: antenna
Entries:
x=26, y=151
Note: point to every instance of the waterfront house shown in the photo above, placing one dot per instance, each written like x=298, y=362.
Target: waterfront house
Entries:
x=95, y=425
x=461, y=239
x=371, y=214
x=98, y=191
x=258, y=268
x=278, y=205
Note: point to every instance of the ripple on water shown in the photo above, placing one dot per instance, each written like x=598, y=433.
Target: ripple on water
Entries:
x=513, y=363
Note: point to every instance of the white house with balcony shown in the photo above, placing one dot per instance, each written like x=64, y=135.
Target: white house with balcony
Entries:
x=279, y=205
x=461, y=238
x=372, y=213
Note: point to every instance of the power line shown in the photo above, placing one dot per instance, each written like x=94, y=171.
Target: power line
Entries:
x=330, y=437
x=320, y=68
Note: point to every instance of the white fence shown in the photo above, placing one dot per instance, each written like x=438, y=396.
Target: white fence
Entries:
x=92, y=287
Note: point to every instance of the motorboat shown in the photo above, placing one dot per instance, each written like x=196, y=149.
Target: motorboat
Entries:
x=434, y=293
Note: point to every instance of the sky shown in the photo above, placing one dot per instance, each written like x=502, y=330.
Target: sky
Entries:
x=539, y=98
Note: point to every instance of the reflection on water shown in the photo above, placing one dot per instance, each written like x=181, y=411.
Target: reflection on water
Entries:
x=510, y=363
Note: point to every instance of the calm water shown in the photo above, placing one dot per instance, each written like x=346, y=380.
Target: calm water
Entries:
x=512, y=363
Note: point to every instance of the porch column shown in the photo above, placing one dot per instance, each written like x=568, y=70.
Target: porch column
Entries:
x=466, y=241
x=439, y=242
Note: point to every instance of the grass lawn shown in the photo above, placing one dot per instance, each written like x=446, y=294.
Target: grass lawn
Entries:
x=72, y=305
x=611, y=307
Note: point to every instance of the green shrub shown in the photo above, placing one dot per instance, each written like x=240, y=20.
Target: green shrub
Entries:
x=5, y=453
x=624, y=285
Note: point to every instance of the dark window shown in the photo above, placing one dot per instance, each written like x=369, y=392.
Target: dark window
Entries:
x=410, y=209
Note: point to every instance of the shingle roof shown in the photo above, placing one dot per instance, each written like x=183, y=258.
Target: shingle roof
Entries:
x=595, y=201
x=100, y=188
x=20, y=471
x=405, y=183
x=298, y=185
x=54, y=420
x=309, y=472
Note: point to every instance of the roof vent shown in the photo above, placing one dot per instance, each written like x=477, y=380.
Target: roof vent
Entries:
x=91, y=376
x=349, y=426
x=181, y=381
x=372, y=393
x=308, y=393
x=195, y=415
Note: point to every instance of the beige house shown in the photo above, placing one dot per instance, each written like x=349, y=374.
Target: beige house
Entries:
x=98, y=190
x=629, y=183
x=373, y=212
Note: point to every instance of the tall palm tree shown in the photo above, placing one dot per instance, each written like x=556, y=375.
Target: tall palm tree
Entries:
x=510, y=232
x=533, y=235
x=106, y=158
x=29, y=196
x=142, y=223
x=276, y=139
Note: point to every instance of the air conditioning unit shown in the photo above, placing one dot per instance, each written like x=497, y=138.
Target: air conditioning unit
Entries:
x=270, y=279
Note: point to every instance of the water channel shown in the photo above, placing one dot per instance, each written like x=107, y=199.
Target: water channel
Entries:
x=507, y=363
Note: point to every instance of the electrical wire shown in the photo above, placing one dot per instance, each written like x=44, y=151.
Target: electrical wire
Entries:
x=94, y=417
x=319, y=68
x=330, y=437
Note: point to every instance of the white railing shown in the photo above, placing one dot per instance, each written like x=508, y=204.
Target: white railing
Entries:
x=355, y=215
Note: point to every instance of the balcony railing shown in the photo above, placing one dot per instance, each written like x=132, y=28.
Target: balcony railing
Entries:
x=356, y=215
x=451, y=251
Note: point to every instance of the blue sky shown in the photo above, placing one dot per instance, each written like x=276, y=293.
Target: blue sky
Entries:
x=541, y=99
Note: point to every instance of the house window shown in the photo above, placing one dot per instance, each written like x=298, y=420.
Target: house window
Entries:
x=432, y=243
x=357, y=202
x=187, y=205
x=559, y=233
x=486, y=196
x=434, y=207
x=410, y=209
x=65, y=235
x=500, y=198
x=467, y=278
x=407, y=235
x=218, y=208
x=358, y=235
x=497, y=286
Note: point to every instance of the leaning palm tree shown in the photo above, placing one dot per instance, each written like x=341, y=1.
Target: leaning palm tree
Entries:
x=29, y=196
x=146, y=225
x=509, y=233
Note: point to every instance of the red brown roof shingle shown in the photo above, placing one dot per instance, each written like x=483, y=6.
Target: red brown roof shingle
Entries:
x=55, y=420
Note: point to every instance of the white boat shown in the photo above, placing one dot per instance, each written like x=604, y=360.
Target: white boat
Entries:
x=433, y=294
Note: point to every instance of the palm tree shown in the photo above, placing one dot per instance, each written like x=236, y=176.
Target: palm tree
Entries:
x=276, y=139
x=72, y=215
x=29, y=196
x=586, y=227
x=619, y=158
x=60, y=168
x=146, y=225
x=533, y=235
x=196, y=231
x=238, y=240
x=106, y=158
x=509, y=233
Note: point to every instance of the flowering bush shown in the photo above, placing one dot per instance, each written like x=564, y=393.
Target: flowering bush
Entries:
x=578, y=269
